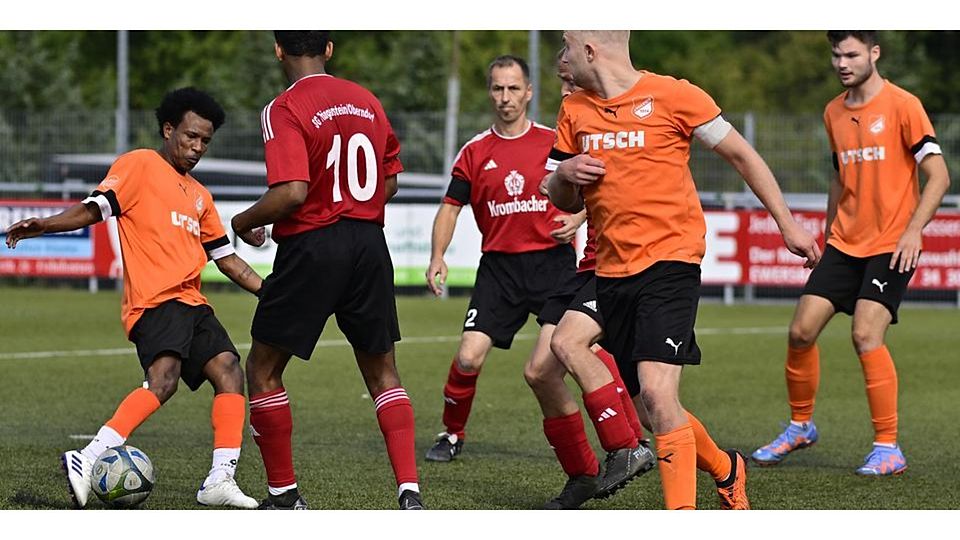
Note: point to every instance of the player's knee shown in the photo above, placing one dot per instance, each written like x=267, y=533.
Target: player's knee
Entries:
x=866, y=339
x=226, y=375
x=164, y=387
x=801, y=337
x=564, y=347
x=469, y=362
x=535, y=375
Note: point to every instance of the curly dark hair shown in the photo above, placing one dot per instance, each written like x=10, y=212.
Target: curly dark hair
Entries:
x=176, y=103
x=302, y=42
x=867, y=37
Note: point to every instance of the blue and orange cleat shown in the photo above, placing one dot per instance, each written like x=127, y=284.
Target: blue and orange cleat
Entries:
x=883, y=461
x=793, y=438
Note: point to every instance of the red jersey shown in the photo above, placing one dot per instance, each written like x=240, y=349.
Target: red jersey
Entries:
x=333, y=134
x=499, y=176
x=589, y=261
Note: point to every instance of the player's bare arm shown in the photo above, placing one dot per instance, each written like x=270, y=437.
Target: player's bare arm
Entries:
x=279, y=202
x=71, y=219
x=907, y=253
x=569, y=224
x=240, y=272
x=390, y=185
x=755, y=172
x=443, y=226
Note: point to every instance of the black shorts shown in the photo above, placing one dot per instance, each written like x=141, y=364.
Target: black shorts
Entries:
x=650, y=317
x=191, y=332
x=343, y=269
x=579, y=293
x=511, y=286
x=843, y=279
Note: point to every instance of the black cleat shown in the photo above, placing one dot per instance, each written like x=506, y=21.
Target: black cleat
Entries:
x=288, y=500
x=578, y=490
x=446, y=448
x=622, y=466
x=410, y=500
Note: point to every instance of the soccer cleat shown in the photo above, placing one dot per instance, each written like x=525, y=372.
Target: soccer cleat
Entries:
x=733, y=490
x=578, y=490
x=446, y=448
x=793, y=438
x=622, y=466
x=410, y=500
x=79, y=471
x=225, y=493
x=288, y=500
x=883, y=461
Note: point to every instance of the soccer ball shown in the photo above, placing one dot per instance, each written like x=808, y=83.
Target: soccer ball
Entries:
x=122, y=477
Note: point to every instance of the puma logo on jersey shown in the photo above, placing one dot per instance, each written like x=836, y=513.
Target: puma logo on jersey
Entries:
x=187, y=223
x=607, y=414
x=611, y=140
x=612, y=111
x=676, y=346
x=855, y=120
x=490, y=165
x=858, y=155
x=879, y=285
x=592, y=305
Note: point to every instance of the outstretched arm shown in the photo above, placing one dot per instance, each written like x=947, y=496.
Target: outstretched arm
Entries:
x=738, y=152
x=76, y=217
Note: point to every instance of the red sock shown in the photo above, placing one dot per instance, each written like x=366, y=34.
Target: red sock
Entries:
x=272, y=426
x=569, y=441
x=606, y=411
x=395, y=416
x=628, y=407
x=457, y=399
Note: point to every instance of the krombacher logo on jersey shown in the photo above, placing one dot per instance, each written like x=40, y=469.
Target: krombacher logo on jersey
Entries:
x=857, y=155
x=533, y=204
x=611, y=140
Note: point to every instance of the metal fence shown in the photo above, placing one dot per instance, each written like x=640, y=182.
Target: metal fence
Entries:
x=794, y=146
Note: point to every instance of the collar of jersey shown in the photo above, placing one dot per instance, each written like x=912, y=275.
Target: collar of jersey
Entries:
x=308, y=77
x=493, y=129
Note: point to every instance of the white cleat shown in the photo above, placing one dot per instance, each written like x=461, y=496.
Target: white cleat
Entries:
x=225, y=493
x=79, y=470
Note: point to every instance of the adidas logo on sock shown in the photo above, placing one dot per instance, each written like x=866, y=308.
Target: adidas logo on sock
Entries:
x=253, y=431
x=490, y=165
x=449, y=400
x=592, y=305
x=607, y=414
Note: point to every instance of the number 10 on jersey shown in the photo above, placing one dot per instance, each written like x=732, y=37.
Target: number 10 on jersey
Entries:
x=357, y=142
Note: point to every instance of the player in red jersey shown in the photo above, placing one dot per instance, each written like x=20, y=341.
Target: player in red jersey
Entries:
x=880, y=137
x=169, y=229
x=622, y=151
x=332, y=164
x=526, y=258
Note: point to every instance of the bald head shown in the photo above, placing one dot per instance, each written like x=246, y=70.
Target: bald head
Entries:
x=602, y=37
x=598, y=59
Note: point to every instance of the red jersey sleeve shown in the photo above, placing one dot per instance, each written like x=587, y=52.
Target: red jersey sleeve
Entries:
x=285, y=149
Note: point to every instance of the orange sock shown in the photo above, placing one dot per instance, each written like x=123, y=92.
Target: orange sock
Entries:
x=133, y=410
x=803, y=378
x=677, y=462
x=881, y=377
x=710, y=458
x=227, y=416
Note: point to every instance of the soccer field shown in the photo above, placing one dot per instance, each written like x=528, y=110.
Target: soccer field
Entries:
x=66, y=365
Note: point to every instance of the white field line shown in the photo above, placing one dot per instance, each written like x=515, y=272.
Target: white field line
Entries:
x=36, y=355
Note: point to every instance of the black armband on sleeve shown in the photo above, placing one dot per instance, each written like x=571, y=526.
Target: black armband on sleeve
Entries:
x=836, y=162
x=459, y=190
x=557, y=155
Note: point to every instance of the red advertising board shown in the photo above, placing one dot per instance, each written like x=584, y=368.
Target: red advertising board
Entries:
x=760, y=258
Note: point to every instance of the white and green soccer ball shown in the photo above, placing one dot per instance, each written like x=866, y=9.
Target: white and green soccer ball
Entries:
x=122, y=477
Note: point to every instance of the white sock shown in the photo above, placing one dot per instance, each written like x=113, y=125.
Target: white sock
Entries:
x=224, y=465
x=799, y=424
x=412, y=486
x=281, y=490
x=885, y=444
x=106, y=438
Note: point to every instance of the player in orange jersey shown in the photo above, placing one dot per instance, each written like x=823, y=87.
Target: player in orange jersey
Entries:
x=622, y=149
x=880, y=136
x=169, y=228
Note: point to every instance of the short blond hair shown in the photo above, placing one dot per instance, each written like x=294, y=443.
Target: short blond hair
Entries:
x=610, y=37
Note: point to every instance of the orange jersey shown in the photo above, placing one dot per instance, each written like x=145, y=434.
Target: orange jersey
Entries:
x=168, y=226
x=876, y=149
x=646, y=207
